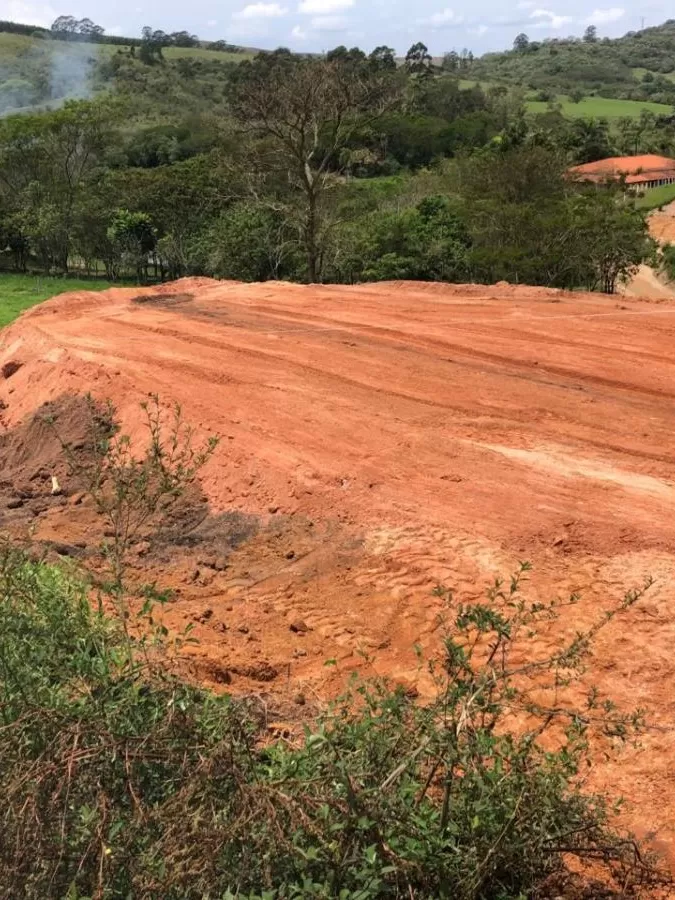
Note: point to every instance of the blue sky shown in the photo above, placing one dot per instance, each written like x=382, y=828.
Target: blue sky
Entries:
x=316, y=25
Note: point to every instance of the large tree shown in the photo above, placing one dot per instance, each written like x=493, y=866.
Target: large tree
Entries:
x=300, y=113
x=47, y=162
x=418, y=60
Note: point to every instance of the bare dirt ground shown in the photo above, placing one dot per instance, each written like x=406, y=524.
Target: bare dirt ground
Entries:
x=378, y=440
x=648, y=283
x=662, y=224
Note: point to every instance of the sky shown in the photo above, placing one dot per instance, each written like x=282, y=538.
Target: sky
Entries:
x=316, y=25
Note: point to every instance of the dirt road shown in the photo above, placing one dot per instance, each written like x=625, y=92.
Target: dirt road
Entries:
x=378, y=440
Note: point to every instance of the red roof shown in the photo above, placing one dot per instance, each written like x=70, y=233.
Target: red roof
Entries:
x=636, y=169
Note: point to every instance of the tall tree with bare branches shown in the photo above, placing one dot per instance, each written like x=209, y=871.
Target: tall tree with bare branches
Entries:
x=300, y=112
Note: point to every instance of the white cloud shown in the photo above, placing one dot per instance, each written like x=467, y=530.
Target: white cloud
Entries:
x=115, y=30
x=603, y=16
x=323, y=7
x=28, y=13
x=445, y=17
x=442, y=19
x=527, y=4
x=548, y=19
x=479, y=30
x=212, y=23
x=261, y=11
x=329, y=23
x=299, y=34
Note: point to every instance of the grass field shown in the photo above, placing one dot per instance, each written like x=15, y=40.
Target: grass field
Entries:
x=601, y=107
x=640, y=72
x=656, y=197
x=19, y=292
x=13, y=45
x=202, y=53
x=589, y=107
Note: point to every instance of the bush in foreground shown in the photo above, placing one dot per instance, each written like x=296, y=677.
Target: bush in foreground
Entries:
x=119, y=781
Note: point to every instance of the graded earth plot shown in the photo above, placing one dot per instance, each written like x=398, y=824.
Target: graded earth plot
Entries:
x=376, y=441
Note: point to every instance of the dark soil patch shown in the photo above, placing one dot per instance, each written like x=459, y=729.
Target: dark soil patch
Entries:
x=163, y=299
x=191, y=527
x=10, y=368
x=33, y=452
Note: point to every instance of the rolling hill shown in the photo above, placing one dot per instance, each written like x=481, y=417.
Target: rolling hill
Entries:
x=638, y=66
x=609, y=78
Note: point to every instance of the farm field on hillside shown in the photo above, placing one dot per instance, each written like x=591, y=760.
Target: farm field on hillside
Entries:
x=13, y=45
x=600, y=107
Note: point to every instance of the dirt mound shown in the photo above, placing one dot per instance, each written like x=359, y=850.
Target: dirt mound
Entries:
x=33, y=464
x=375, y=441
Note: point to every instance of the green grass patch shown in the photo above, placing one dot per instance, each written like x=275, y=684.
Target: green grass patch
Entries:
x=204, y=53
x=14, y=45
x=640, y=72
x=656, y=197
x=11, y=45
x=20, y=292
x=600, y=107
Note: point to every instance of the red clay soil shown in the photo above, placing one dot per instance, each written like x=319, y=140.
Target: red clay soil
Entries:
x=378, y=440
x=662, y=224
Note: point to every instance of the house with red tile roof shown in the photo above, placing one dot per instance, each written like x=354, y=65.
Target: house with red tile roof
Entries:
x=640, y=172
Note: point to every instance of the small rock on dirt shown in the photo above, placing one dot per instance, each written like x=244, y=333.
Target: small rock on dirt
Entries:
x=243, y=629
x=290, y=554
x=15, y=503
x=209, y=562
x=65, y=549
x=300, y=699
x=299, y=627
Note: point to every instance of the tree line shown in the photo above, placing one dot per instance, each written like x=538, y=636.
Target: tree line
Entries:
x=338, y=168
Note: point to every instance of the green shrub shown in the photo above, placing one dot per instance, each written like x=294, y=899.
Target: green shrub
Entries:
x=668, y=261
x=119, y=780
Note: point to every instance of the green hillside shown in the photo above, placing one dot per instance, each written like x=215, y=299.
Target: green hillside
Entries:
x=588, y=77
x=638, y=66
x=37, y=69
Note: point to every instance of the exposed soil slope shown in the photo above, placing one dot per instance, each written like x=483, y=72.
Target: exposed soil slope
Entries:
x=375, y=441
x=662, y=224
x=647, y=283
